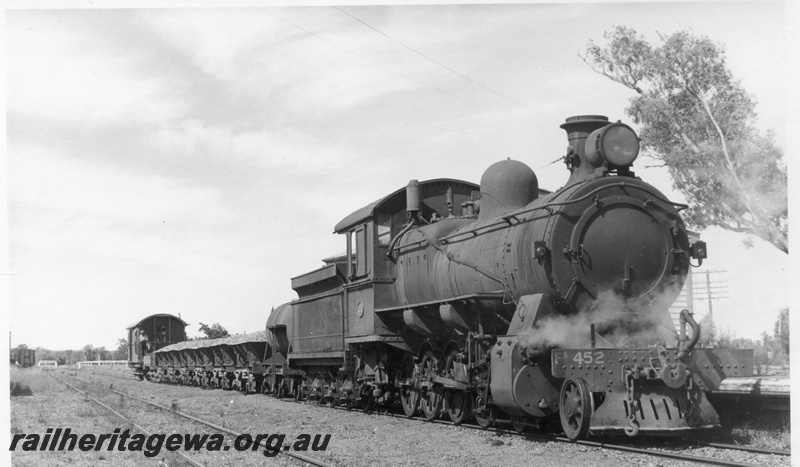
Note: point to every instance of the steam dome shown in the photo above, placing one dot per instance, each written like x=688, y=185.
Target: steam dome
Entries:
x=505, y=186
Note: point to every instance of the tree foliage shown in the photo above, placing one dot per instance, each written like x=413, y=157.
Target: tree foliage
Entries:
x=781, y=332
x=708, y=332
x=769, y=350
x=698, y=121
x=89, y=352
x=122, y=349
x=214, y=331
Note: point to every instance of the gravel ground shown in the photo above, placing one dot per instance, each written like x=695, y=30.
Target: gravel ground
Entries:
x=357, y=439
x=51, y=406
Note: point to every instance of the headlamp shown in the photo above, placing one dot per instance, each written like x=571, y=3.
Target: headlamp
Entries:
x=615, y=144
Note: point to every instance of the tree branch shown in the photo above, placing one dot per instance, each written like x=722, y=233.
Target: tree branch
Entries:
x=613, y=78
x=757, y=213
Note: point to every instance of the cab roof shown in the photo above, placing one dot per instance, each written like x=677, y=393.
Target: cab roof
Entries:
x=157, y=315
x=368, y=211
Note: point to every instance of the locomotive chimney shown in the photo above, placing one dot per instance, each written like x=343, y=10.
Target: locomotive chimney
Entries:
x=578, y=129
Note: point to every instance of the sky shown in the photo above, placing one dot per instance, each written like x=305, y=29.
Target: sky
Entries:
x=192, y=161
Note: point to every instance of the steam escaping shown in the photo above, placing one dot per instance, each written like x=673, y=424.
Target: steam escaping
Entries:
x=619, y=323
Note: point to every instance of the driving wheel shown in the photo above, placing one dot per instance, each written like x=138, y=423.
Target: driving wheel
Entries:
x=431, y=401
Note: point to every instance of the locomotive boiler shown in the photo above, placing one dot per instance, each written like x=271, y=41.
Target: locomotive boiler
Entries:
x=505, y=301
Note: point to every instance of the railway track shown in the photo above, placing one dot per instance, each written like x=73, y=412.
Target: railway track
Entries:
x=594, y=444
x=305, y=460
x=611, y=446
x=183, y=455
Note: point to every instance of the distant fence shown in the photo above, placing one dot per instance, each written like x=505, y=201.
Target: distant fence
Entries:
x=111, y=363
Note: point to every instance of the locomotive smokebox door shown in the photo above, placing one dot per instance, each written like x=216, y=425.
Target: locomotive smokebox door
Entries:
x=618, y=237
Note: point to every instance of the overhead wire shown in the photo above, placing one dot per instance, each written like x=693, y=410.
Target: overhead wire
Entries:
x=445, y=92
x=468, y=78
x=373, y=61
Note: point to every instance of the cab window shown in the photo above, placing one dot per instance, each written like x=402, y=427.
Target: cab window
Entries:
x=357, y=249
x=384, y=229
x=361, y=251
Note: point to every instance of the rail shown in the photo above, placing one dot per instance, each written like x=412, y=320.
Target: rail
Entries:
x=602, y=445
x=299, y=457
x=124, y=418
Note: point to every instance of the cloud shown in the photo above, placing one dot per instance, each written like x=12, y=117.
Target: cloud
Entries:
x=310, y=66
x=285, y=148
x=43, y=182
x=61, y=70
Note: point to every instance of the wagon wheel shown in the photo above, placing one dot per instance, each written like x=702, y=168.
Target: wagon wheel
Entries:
x=335, y=392
x=364, y=392
x=355, y=392
x=367, y=399
x=298, y=391
x=485, y=418
x=519, y=423
x=575, y=408
x=431, y=402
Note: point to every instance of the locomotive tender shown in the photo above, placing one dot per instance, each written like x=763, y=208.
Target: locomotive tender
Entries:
x=499, y=300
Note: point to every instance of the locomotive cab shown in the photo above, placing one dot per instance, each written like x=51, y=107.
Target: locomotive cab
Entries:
x=368, y=266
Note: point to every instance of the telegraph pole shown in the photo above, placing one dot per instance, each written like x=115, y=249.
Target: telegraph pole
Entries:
x=708, y=290
x=715, y=287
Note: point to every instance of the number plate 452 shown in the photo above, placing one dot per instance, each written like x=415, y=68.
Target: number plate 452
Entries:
x=586, y=357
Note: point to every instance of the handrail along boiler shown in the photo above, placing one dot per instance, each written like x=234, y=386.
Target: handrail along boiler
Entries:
x=505, y=300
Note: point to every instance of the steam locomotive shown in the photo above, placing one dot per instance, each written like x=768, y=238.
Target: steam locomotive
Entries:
x=494, y=301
